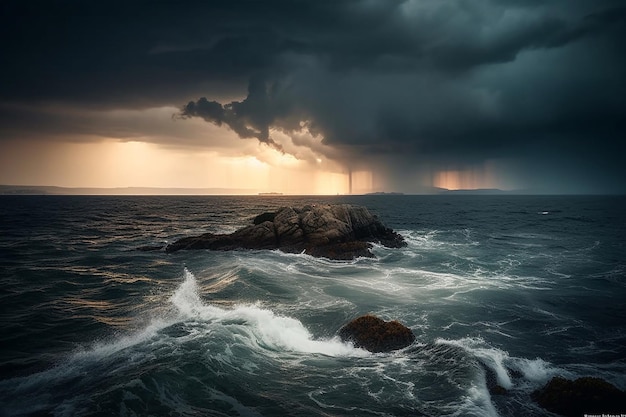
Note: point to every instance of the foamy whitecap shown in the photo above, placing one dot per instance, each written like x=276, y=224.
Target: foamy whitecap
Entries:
x=268, y=329
x=535, y=370
x=499, y=361
x=477, y=401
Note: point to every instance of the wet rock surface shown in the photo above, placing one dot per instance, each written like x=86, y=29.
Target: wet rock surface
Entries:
x=341, y=232
x=586, y=395
x=376, y=335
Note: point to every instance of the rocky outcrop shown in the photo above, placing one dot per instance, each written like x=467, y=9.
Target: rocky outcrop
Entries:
x=331, y=231
x=376, y=335
x=583, y=396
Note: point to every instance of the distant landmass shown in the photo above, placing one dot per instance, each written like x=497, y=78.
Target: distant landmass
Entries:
x=51, y=190
x=478, y=191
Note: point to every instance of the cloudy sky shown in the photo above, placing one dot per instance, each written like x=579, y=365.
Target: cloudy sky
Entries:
x=293, y=95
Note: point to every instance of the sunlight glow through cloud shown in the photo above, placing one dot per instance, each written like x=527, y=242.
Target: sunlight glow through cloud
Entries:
x=476, y=177
x=113, y=163
x=429, y=99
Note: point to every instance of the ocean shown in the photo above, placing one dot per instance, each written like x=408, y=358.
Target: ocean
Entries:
x=516, y=288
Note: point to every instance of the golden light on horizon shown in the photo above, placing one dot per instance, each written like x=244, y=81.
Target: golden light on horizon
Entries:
x=165, y=154
x=448, y=179
x=331, y=183
x=362, y=182
x=111, y=163
x=466, y=179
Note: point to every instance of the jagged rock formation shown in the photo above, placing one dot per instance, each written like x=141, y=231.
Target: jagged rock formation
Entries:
x=376, y=335
x=331, y=231
x=585, y=395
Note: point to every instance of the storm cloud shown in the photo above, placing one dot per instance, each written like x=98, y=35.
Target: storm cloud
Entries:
x=250, y=118
x=395, y=83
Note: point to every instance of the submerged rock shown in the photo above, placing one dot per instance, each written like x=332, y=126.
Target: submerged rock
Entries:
x=331, y=231
x=583, y=396
x=376, y=335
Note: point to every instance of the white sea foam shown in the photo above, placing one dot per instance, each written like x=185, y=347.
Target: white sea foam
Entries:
x=499, y=361
x=262, y=326
x=477, y=402
x=534, y=370
x=103, y=349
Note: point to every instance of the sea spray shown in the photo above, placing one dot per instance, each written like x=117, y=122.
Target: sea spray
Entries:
x=263, y=326
x=501, y=363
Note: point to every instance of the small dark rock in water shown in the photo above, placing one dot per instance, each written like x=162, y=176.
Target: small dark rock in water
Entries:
x=376, y=335
x=332, y=231
x=583, y=396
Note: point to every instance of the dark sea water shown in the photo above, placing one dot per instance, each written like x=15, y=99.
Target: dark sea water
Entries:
x=517, y=287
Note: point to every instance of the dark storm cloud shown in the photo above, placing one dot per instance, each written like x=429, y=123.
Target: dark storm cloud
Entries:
x=411, y=76
x=141, y=53
x=422, y=79
x=250, y=118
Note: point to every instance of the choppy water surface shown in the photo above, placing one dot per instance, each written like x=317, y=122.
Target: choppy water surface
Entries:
x=523, y=288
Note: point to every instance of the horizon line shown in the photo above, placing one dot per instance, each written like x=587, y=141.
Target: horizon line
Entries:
x=17, y=190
